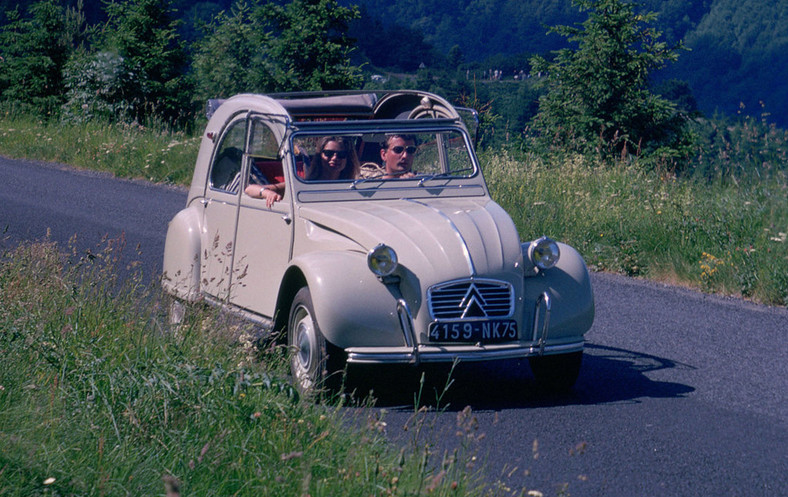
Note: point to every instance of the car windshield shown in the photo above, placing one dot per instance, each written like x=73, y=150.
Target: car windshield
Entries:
x=382, y=156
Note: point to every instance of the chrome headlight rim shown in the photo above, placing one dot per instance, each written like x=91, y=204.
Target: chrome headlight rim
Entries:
x=382, y=260
x=544, y=253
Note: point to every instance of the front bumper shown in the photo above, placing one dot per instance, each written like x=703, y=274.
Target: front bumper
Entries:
x=415, y=353
x=434, y=353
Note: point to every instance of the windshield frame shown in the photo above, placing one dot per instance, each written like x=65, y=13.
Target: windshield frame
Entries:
x=419, y=186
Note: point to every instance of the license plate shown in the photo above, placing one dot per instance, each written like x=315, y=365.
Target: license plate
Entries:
x=490, y=331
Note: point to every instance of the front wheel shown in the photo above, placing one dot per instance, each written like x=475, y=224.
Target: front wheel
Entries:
x=556, y=373
x=313, y=361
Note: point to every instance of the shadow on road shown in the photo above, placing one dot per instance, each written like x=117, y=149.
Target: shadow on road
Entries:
x=608, y=374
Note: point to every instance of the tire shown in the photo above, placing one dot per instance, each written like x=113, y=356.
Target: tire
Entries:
x=316, y=366
x=556, y=373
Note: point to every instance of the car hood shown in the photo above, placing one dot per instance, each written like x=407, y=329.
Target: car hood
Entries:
x=444, y=238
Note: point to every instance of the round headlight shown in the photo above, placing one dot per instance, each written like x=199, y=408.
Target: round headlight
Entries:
x=544, y=253
x=382, y=260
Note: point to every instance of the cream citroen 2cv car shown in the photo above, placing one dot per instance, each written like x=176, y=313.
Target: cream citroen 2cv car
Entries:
x=359, y=223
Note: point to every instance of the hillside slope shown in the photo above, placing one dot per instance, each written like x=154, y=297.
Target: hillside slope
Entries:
x=737, y=57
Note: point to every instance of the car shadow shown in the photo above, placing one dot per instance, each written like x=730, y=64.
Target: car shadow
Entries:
x=608, y=374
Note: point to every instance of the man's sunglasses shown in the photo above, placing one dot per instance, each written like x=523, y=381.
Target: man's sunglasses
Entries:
x=339, y=153
x=399, y=149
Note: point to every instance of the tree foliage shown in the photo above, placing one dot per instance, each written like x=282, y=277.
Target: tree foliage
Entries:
x=597, y=93
x=310, y=47
x=143, y=33
x=232, y=58
x=35, y=49
x=266, y=47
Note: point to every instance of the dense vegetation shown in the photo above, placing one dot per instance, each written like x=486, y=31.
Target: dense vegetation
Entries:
x=737, y=54
x=736, y=60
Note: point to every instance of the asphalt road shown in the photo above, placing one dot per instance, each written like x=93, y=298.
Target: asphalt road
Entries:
x=680, y=393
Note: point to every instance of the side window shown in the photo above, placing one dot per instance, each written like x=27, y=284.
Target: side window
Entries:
x=263, y=142
x=266, y=166
x=226, y=167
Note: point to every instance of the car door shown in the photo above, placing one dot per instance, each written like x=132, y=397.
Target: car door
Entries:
x=220, y=211
x=264, y=237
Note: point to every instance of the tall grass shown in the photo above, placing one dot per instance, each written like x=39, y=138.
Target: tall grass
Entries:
x=718, y=235
x=128, y=151
x=98, y=397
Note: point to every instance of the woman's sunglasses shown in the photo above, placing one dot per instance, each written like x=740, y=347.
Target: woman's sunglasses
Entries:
x=399, y=149
x=339, y=153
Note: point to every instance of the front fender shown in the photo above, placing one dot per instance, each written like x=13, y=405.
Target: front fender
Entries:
x=569, y=287
x=181, y=267
x=352, y=307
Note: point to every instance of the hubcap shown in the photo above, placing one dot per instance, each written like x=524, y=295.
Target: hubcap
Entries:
x=305, y=342
x=304, y=345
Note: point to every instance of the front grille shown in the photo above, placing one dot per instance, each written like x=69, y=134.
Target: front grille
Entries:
x=471, y=299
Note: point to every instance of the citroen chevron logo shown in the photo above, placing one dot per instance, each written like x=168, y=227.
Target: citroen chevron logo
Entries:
x=473, y=304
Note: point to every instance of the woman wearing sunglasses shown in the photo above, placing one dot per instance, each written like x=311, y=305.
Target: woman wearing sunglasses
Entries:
x=336, y=159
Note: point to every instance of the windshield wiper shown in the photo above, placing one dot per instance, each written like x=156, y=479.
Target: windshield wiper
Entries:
x=443, y=175
x=364, y=180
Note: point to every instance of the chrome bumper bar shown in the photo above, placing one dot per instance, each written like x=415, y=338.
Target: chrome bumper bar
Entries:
x=413, y=353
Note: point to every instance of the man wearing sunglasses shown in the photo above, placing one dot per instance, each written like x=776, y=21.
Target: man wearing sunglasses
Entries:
x=397, y=153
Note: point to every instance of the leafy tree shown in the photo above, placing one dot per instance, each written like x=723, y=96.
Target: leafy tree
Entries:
x=455, y=58
x=34, y=52
x=266, y=47
x=232, y=57
x=309, y=46
x=143, y=33
x=597, y=94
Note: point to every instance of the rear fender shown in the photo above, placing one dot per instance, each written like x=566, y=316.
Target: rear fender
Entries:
x=181, y=269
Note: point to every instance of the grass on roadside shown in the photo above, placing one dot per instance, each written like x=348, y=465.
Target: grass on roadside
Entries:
x=719, y=236
x=98, y=397
x=127, y=151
